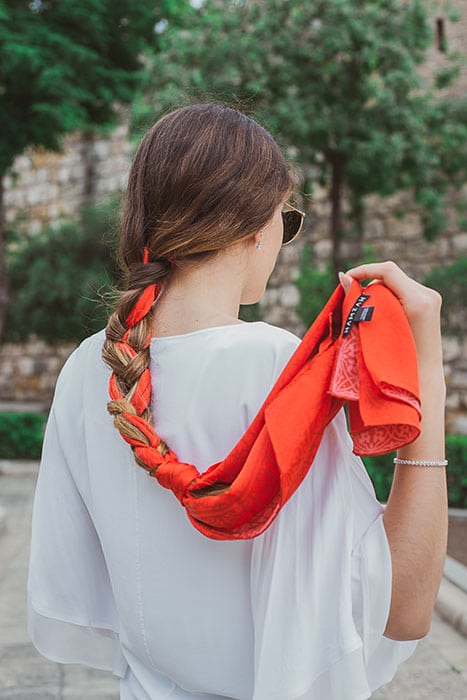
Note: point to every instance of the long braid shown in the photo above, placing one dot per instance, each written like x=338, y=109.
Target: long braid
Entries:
x=203, y=178
x=126, y=351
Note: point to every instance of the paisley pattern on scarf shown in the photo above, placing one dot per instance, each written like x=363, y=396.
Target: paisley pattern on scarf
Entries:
x=346, y=385
x=397, y=392
x=382, y=439
x=346, y=382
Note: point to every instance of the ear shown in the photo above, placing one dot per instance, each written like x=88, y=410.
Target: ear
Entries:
x=257, y=238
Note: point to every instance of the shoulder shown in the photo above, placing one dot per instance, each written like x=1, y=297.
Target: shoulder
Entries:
x=258, y=350
x=263, y=334
x=85, y=359
x=88, y=349
x=259, y=344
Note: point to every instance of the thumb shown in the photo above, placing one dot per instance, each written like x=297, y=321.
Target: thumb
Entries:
x=345, y=281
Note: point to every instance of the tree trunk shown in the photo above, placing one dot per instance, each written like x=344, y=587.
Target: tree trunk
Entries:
x=4, y=286
x=357, y=214
x=337, y=180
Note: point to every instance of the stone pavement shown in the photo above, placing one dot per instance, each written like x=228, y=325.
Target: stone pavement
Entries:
x=437, y=670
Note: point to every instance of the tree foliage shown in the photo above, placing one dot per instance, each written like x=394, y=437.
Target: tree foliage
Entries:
x=335, y=80
x=451, y=282
x=62, y=279
x=65, y=64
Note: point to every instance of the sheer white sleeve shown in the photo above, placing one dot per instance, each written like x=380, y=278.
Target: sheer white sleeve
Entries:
x=321, y=586
x=71, y=609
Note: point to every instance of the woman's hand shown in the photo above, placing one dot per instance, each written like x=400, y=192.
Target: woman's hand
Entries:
x=422, y=305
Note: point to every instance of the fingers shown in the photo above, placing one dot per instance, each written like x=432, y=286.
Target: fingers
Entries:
x=345, y=281
x=388, y=272
x=421, y=304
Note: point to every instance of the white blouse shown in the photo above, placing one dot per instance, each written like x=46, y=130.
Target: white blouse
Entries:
x=120, y=580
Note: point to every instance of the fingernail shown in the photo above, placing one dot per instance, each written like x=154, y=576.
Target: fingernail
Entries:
x=345, y=281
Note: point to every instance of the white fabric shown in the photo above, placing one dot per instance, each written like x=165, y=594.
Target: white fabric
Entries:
x=120, y=580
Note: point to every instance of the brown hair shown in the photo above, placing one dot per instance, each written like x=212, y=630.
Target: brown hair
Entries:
x=203, y=178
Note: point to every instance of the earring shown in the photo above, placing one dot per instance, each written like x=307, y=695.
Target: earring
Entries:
x=258, y=245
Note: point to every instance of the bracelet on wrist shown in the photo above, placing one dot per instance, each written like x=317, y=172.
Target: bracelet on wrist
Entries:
x=422, y=462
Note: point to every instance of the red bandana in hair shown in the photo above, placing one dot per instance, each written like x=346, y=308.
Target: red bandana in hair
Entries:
x=360, y=349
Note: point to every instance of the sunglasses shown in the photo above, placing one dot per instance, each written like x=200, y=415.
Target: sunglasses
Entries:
x=292, y=219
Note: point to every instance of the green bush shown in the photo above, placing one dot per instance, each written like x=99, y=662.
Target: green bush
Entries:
x=381, y=469
x=21, y=435
x=451, y=282
x=315, y=287
x=250, y=312
x=59, y=278
x=456, y=453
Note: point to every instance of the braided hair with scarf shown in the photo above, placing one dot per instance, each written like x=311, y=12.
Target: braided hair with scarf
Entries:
x=204, y=177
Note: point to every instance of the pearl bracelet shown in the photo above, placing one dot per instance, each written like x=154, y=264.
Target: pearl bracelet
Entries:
x=421, y=462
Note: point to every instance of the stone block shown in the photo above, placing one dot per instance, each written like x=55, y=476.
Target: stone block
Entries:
x=289, y=296
x=25, y=366
x=275, y=315
x=120, y=133
x=451, y=348
x=374, y=230
x=6, y=367
x=64, y=174
x=452, y=401
x=101, y=148
x=459, y=379
x=459, y=424
x=393, y=249
x=22, y=162
x=443, y=247
x=323, y=249
x=43, y=175
x=408, y=227
x=271, y=297
x=459, y=243
x=41, y=158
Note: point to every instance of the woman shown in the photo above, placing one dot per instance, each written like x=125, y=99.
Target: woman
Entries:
x=324, y=604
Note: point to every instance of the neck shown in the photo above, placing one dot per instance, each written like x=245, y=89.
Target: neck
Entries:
x=200, y=296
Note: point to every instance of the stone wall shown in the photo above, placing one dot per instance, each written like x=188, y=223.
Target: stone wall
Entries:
x=28, y=371
x=455, y=34
x=455, y=358
x=45, y=187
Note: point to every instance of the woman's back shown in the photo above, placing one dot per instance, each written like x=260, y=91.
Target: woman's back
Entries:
x=119, y=579
x=184, y=609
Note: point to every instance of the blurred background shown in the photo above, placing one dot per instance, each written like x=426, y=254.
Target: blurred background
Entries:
x=368, y=98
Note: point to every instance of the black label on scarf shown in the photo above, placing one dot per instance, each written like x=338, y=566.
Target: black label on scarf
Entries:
x=364, y=313
x=356, y=313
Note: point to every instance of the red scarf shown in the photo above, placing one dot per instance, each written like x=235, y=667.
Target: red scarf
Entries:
x=360, y=349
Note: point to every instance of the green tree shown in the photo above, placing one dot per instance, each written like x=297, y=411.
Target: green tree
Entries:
x=336, y=80
x=63, y=66
x=451, y=282
x=84, y=279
